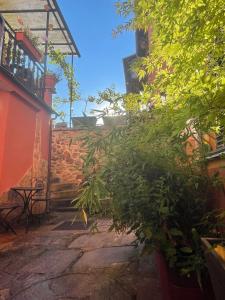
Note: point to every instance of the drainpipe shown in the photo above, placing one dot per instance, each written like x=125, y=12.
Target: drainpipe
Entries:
x=49, y=164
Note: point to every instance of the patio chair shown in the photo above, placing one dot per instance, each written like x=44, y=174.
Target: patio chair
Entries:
x=39, y=204
x=5, y=212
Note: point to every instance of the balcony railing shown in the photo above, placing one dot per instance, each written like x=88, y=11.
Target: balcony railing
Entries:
x=18, y=62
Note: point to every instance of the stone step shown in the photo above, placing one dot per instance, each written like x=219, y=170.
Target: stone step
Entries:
x=64, y=194
x=61, y=202
x=64, y=209
x=58, y=187
x=62, y=205
x=54, y=180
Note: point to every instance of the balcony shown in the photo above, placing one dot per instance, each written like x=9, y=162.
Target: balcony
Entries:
x=46, y=22
x=18, y=62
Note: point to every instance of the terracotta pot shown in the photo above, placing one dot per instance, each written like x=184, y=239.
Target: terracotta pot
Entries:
x=61, y=125
x=112, y=121
x=82, y=122
x=27, y=44
x=216, y=266
x=50, y=81
x=175, y=287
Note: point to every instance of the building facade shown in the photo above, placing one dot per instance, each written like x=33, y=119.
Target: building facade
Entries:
x=26, y=89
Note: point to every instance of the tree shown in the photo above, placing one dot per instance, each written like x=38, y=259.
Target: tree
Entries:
x=156, y=189
x=187, y=54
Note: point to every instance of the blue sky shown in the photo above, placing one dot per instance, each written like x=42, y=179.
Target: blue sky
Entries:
x=100, y=66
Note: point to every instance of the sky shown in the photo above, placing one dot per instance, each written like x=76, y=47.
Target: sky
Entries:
x=100, y=66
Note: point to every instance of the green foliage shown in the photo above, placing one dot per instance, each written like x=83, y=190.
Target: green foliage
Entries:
x=57, y=105
x=59, y=59
x=186, y=53
x=110, y=99
x=91, y=195
x=156, y=189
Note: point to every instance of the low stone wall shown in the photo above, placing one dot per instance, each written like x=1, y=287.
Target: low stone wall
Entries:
x=67, y=153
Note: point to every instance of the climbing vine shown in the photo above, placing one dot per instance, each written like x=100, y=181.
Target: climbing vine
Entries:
x=59, y=59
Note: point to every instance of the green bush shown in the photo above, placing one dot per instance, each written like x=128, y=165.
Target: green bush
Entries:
x=156, y=190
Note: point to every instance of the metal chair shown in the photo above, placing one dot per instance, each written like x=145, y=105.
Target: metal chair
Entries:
x=4, y=221
x=39, y=204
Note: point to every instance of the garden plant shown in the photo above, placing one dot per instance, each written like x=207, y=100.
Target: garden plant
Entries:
x=142, y=173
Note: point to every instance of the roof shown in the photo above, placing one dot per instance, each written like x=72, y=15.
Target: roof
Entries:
x=33, y=14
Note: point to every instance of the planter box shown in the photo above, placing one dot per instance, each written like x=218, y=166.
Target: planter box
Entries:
x=50, y=81
x=61, y=125
x=84, y=122
x=27, y=44
x=216, y=266
x=175, y=287
x=113, y=121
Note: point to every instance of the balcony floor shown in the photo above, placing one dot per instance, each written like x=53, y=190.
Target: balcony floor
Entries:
x=47, y=264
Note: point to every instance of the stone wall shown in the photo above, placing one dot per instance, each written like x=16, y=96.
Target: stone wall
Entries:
x=67, y=153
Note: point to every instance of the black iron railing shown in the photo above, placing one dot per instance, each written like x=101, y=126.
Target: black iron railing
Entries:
x=220, y=142
x=17, y=61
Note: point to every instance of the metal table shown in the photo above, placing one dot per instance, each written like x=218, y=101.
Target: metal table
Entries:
x=26, y=193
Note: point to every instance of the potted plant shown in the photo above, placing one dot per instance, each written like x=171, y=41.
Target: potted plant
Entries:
x=175, y=287
x=159, y=193
x=51, y=79
x=84, y=122
x=29, y=42
x=112, y=121
x=61, y=125
x=215, y=257
x=172, y=221
x=163, y=202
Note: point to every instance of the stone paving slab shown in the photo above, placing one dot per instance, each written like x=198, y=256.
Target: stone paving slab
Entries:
x=102, y=240
x=51, y=262
x=87, y=287
x=105, y=258
x=61, y=265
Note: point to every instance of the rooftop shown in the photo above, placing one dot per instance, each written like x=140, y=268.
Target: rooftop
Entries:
x=44, y=19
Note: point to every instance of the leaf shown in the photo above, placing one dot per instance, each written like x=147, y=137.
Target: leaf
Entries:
x=175, y=232
x=186, y=250
x=148, y=232
x=84, y=216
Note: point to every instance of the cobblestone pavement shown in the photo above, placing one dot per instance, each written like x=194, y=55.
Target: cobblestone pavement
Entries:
x=47, y=264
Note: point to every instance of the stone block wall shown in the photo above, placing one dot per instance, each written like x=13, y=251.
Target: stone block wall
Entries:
x=67, y=153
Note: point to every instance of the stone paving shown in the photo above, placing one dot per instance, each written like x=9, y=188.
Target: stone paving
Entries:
x=47, y=264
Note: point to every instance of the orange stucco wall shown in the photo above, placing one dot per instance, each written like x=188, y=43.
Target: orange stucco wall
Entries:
x=218, y=166
x=18, y=141
x=24, y=135
x=3, y=118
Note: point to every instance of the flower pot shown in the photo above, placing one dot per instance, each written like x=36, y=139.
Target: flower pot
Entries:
x=61, y=125
x=113, y=121
x=175, y=287
x=216, y=266
x=84, y=122
x=50, y=81
x=27, y=44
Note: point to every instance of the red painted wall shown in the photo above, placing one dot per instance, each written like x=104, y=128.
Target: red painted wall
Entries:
x=19, y=140
x=3, y=118
x=45, y=131
x=19, y=112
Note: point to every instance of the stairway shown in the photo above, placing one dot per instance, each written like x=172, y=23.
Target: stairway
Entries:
x=61, y=195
